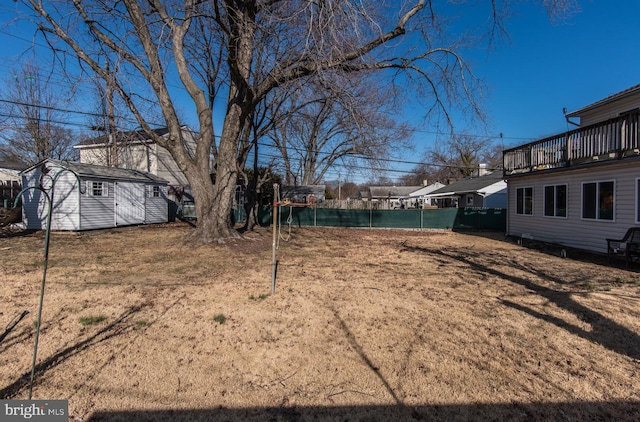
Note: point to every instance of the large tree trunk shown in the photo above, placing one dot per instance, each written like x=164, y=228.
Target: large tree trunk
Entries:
x=213, y=208
x=214, y=211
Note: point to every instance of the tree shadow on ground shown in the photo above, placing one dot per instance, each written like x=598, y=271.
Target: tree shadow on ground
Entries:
x=604, y=331
x=561, y=411
x=114, y=329
x=554, y=249
x=564, y=411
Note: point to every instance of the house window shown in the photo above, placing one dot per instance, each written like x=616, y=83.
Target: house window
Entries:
x=524, y=201
x=555, y=201
x=469, y=200
x=97, y=188
x=155, y=192
x=598, y=199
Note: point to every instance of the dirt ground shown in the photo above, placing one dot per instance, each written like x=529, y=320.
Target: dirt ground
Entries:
x=365, y=325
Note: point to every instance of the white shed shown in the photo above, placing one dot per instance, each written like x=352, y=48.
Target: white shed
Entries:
x=87, y=196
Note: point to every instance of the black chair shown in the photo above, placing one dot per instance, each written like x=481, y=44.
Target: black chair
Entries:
x=627, y=248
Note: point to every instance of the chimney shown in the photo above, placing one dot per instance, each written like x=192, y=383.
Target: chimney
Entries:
x=482, y=169
x=425, y=182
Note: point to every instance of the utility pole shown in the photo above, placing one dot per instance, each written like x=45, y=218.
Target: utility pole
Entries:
x=111, y=124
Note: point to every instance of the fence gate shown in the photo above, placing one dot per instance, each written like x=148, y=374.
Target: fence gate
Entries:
x=130, y=203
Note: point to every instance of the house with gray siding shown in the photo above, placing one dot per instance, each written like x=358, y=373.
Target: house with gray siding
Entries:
x=87, y=196
x=486, y=189
x=580, y=187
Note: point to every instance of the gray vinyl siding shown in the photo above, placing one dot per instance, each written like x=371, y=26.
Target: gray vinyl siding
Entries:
x=97, y=211
x=76, y=207
x=157, y=209
x=35, y=205
x=166, y=168
x=66, y=204
x=604, y=113
x=574, y=231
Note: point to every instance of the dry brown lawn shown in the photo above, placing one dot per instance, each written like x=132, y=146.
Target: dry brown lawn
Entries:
x=365, y=325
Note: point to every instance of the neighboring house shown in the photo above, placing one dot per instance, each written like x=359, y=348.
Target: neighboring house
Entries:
x=580, y=187
x=87, y=196
x=421, y=196
x=393, y=197
x=486, y=191
x=10, y=182
x=135, y=151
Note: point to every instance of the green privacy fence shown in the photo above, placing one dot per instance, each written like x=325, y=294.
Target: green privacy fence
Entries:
x=443, y=218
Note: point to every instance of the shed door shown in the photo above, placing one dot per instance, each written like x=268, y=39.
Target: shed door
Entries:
x=130, y=203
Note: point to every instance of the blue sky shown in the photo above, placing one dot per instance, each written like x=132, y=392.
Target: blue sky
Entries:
x=530, y=77
x=545, y=66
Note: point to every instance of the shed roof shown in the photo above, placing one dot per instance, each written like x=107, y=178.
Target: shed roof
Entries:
x=100, y=172
x=471, y=184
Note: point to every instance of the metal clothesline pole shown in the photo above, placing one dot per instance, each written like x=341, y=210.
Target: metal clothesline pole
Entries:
x=274, y=263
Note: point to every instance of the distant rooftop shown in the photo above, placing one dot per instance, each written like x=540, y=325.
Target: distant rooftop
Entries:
x=122, y=137
x=471, y=184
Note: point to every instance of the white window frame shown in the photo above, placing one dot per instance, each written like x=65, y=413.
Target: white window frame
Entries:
x=555, y=205
x=524, y=200
x=597, y=208
x=95, y=186
x=154, y=191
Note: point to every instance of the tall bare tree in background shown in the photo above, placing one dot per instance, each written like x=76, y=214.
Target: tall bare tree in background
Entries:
x=457, y=158
x=347, y=121
x=252, y=48
x=32, y=128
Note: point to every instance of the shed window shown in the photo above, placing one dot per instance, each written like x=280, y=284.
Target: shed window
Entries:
x=524, y=201
x=598, y=200
x=555, y=201
x=154, y=192
x=97, y=188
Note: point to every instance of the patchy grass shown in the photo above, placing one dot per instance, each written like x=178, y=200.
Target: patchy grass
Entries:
x=364, y=325
x=92, y=320
x=220, y=318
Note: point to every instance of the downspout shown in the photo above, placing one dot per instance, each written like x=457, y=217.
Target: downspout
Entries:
x=564, y=111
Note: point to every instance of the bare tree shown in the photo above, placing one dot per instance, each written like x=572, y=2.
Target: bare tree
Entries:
x=251, y=48
x=33, y=125
x=347, y=121
x=460, y=157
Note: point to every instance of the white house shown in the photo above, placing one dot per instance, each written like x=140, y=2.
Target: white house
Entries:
x=392, y=197
x=421, y=196
x=87, y=196
x=133, y=150
x=580, y=187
